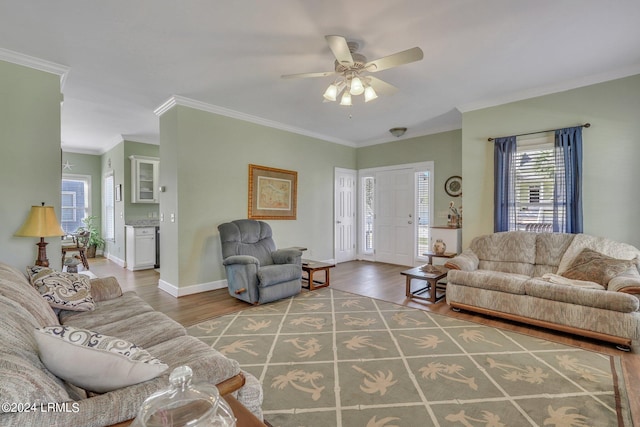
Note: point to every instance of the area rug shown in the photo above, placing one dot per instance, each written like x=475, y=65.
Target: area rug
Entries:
x=331, y=358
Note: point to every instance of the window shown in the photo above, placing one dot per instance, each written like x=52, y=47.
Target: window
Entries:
x=534, y=184
x=109, y=207
x=368, y=192
x=423, y=205
x=76, y=199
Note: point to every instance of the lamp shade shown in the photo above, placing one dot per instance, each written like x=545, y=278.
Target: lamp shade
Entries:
x=41, y=222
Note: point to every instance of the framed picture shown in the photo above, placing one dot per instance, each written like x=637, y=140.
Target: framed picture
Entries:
x=272, y=193
x=118, y=192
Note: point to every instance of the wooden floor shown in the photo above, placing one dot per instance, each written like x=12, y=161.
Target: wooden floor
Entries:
x=375, y=280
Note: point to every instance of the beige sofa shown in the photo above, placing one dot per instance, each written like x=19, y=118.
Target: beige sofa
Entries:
x=24, y=379
x=521, y=276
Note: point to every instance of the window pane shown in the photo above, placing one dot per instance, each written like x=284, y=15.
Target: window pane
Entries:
x=75, y=203
x=423, y=201
x=109, y=208
x=368, y=191
x=534, y=187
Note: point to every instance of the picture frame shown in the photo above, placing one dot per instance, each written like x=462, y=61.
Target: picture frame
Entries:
x=273, y=193
x=118, y=192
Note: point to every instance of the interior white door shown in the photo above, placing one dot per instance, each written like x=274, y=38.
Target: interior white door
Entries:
x=394, y=216
x=345, y=215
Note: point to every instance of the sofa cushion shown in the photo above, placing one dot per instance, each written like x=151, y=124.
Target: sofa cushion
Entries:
x=106, y=312
x=493, y=280
x=66, y=291
x=93, y=361
x=604, y=299
x=157, y=328
x=278, y=273
x=596, y=267
x=512, y=246
x=549, y=250
x=601, y=244
x=23, y=376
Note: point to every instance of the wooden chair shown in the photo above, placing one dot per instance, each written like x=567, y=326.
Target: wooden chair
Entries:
x=79, y=244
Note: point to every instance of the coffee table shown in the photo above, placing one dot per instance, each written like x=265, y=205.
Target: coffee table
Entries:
x=432, y=283
x=311, y=267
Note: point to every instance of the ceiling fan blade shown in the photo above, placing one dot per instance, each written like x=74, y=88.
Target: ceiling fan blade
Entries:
x=340, y=49
x=381, y=86
x=305, y=75
x=400, y=58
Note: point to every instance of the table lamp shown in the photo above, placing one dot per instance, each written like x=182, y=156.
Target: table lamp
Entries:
x=41, y=222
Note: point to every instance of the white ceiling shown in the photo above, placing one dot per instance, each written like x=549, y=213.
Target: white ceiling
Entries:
x=126, y=58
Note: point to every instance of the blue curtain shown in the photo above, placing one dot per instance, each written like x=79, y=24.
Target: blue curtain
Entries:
x=504, y=156
x=567, y=207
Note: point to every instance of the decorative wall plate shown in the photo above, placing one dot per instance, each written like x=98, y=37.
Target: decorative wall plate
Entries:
x=453, y=186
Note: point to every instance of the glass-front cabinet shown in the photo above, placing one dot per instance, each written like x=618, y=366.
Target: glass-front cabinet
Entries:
x=144, y=179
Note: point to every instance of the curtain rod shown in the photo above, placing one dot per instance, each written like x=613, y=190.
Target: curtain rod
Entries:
x=586, y=125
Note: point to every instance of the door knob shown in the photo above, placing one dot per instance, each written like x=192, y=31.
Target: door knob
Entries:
x=409, y=222
x=338, y=222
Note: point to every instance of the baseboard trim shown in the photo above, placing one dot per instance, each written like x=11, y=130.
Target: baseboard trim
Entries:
x=192, y=289
x=117, y=260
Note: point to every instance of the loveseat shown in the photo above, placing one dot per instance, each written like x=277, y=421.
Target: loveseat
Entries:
x=32, y=395
x=574, y=283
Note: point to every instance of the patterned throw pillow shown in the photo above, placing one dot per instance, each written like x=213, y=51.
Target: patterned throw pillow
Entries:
x=66, y=291
x=593, y=266
x=93, y=361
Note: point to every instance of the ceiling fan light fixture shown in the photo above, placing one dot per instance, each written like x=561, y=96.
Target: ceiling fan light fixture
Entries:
x=357, y=88
x=331, y=93
x=369, y=94
x=346, y=99
x=397, y=132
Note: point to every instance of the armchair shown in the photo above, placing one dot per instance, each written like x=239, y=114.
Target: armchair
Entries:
x=257, y=272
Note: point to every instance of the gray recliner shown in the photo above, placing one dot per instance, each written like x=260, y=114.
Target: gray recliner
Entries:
x=256, y=271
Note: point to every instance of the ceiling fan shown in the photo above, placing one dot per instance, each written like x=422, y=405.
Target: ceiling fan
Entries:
x=353, y=71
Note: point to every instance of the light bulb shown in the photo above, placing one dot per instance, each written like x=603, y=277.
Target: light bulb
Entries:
x=369, y=94
x=331, y=92
x=356, y=86
x=346, y=98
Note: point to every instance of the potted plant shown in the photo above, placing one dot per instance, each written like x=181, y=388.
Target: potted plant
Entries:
x=95, y=239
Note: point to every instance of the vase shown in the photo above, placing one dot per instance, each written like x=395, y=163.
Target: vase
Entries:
x=439, y=247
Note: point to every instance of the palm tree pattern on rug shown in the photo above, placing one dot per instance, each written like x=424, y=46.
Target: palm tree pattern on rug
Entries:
x=331, y=358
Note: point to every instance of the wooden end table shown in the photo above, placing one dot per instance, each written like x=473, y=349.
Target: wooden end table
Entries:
x=430, y=256
x=432, y=283
x=311, y=267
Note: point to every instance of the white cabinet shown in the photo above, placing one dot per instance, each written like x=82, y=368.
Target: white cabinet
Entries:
x=141, y=247
x=144, y=179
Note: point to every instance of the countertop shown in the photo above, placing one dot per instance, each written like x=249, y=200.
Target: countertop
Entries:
x=139, y=223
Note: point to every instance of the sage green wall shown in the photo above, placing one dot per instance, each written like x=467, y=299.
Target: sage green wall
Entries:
x=207, y=181
x=87, y=164
x=114, y=160
x=444, y=149
x=611, y=152
x=30, y=169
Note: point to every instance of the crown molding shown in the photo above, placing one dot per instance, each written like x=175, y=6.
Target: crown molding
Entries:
x=203, y=106
x=551, y=89
x=35, y=63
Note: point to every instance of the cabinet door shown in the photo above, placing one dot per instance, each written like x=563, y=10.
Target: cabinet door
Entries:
x=144, y=180
x=145, y=250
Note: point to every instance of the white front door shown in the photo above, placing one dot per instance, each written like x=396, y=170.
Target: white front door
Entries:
x=345, y=214
x=394, y=216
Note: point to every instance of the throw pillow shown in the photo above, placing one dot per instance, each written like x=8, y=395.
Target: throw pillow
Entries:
x=93, y=361
x=66, y=291
x=593, y=266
